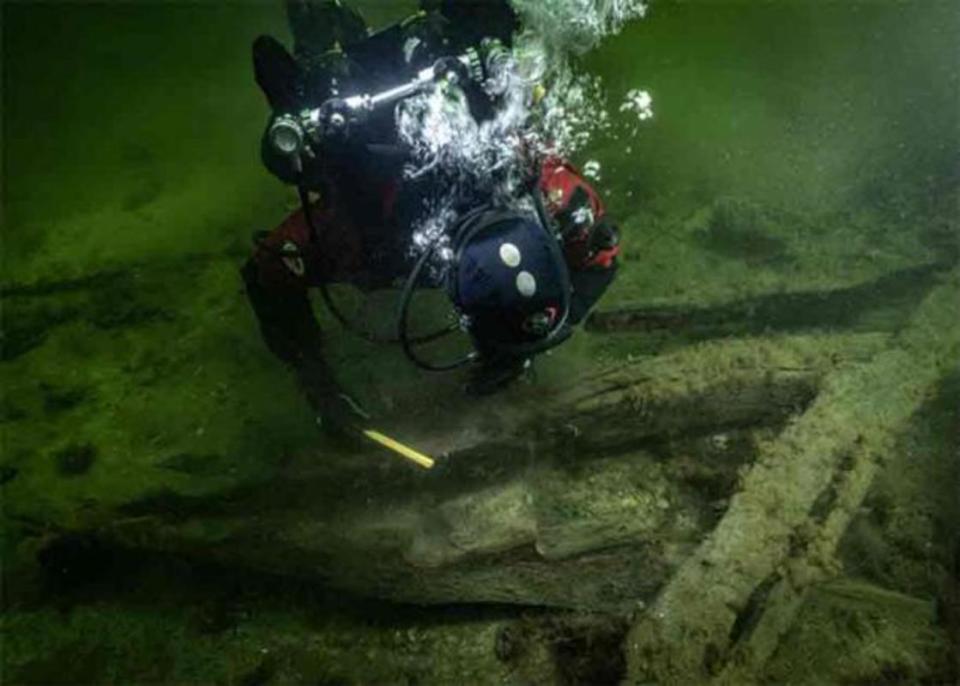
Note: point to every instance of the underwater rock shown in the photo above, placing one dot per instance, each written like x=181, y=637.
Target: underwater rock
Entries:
x=741, y=230
x=75, y=459
x=8, y=473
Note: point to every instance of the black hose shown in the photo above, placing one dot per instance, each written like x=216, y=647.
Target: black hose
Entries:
x=335, y=310
x=406, y=297
x=470, y=227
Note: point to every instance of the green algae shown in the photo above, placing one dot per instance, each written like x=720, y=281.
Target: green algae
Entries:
x=795, y=148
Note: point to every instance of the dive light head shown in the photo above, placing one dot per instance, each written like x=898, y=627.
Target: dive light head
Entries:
x=287, y=135
x=291, y=134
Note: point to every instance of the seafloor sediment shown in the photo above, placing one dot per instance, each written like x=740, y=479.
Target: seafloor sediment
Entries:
x=744, y=469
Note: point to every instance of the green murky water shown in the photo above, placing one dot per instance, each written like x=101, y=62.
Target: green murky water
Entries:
x=790, y=221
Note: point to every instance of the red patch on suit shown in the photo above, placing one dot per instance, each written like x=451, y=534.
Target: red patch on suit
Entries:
x=559, y=180
x=288, y=258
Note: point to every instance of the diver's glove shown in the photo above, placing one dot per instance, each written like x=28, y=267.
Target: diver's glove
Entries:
x=447, y=67
x=340, y=415
x=604, y=236
x=337, y=413
x=491, y=374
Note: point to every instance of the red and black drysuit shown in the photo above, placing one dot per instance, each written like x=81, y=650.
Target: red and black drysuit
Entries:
x=362, y=250
x=363, y=221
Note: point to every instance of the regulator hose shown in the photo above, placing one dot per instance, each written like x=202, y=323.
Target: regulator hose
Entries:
x=406, y=297
x=335, y=310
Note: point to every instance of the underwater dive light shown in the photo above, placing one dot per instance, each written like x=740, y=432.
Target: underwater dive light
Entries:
x=286, y=134
x=289, y=134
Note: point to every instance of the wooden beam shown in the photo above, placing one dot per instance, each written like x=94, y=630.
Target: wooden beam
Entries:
x=689, y=634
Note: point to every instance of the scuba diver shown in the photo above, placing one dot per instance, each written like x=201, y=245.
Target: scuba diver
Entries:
x=519, y=280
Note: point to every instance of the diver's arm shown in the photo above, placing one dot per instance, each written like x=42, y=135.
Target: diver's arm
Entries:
x=277, y=279
x=592, y=274
x=589, y=237
x=283, y=311
x=589, y=285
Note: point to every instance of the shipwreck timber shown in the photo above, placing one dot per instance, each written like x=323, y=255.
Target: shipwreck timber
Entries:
x=699, y=493
x=796, y=501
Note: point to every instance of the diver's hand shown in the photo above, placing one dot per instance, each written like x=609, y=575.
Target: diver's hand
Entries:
x=452, y=69
x=605, y=235
x=338, y=414
x=490, y=375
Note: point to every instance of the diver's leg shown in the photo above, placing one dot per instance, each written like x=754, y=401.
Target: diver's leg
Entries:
x=318, y=25
x=285, y=316
x=588, y=285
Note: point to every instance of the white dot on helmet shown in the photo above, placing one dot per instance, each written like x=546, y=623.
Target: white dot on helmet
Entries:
x=510, y=254
x=526, y=284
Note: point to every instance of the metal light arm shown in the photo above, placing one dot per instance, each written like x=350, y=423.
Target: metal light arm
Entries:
x=368, y=103
x=290, y=134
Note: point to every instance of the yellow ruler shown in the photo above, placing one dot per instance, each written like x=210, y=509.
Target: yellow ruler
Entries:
x=399, y=448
